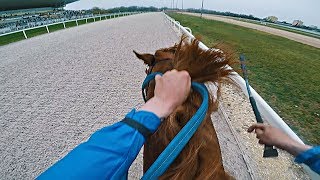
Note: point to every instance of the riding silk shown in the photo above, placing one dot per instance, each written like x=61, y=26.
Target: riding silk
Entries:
x=108, y=153
x=311, y=158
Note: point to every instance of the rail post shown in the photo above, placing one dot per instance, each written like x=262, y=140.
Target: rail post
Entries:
x=47, y=29
x=64, y=25
x=25, y=35
x=77, y=22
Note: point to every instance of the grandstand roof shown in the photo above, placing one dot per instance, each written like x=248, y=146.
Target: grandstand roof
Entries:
x=28, y=4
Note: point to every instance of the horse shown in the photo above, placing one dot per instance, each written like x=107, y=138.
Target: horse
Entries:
x=201, y=157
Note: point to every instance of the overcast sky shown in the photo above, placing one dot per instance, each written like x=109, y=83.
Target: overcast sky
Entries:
x=286, y=10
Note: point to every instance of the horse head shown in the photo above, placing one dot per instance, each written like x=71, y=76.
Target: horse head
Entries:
x=204, y=66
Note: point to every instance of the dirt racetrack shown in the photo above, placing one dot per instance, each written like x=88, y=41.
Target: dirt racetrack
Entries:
x=57, y=89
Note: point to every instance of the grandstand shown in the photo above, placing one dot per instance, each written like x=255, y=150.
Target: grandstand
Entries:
x=22, y=4
x=18, y=14
x=27, y=19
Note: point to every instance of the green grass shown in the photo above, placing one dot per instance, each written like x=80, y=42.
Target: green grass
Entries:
x=11, y=38
x=55, y=27
x=80, y=22
x=90, y=20
x=35, y=32
x=284, y=72
x=71, y=24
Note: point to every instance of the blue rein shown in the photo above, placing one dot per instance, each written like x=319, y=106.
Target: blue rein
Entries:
x=174, y=148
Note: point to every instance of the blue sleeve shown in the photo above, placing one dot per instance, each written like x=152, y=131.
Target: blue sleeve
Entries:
x=107, y=154
x=311, y=158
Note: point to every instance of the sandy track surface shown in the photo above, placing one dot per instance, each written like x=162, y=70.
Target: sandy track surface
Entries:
x=290, y=35
x=57, y=89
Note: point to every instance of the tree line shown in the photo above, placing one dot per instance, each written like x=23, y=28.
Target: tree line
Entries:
x=97, y=10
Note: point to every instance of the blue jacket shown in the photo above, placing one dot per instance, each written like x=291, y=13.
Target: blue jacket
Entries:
x=110, y=151
x=311, y=158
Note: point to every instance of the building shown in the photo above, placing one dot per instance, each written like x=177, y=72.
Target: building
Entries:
x=297, y=23
x=272, y=19
x=29, y=4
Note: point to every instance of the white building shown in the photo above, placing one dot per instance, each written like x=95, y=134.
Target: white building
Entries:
x=297, y=23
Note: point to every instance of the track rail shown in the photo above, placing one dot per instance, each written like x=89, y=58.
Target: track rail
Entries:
x=266, y=111
x=101, y=17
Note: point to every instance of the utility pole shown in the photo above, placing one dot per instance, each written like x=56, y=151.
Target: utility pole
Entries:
x=182, y=5
x=202, y=8
x=172, y=4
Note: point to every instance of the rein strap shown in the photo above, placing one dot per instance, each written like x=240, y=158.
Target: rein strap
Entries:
x=174, y=148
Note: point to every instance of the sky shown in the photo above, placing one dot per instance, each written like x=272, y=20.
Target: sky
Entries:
x=286, y=10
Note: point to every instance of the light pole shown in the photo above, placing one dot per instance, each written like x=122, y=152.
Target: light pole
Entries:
x=182, y=5
x=202, y=8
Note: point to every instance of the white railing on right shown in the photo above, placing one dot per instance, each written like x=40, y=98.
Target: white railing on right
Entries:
x=266, y=111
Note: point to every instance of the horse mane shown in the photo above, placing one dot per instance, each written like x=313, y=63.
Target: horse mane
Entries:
x=204, y=66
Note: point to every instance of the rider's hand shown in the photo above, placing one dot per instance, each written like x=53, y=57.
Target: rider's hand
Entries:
x=275, y=137
x=171, y=90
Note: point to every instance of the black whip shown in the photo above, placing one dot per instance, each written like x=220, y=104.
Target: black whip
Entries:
x=269, y=151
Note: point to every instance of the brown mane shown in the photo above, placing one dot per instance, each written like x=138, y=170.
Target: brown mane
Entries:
x=201, y=158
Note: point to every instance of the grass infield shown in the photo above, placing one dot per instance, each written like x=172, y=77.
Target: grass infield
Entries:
x=55, y=27
x=11, y=38
x=35, y=32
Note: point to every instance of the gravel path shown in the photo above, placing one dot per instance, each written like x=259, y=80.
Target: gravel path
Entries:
x=235, y=106
x=57, y=89
x=290, y=35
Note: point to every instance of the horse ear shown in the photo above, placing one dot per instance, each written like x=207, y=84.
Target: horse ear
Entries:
x=147, y=58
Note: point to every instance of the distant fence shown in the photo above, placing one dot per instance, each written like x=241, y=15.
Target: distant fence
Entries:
x=266, y=111
x=76, y=21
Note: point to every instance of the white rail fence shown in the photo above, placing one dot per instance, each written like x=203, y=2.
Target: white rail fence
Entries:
x=100, y=17
x=266, y=111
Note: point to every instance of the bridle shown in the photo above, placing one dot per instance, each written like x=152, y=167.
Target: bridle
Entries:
x=150, y=68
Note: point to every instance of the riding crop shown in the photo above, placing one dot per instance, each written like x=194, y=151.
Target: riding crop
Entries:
x=269, y=151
